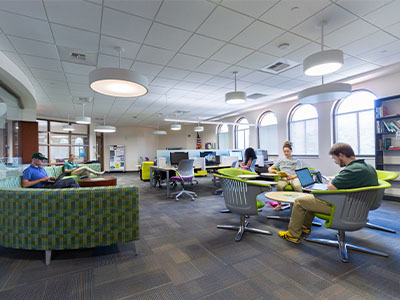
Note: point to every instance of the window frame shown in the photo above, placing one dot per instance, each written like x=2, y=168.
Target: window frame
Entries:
x=236, y=132
x=357, y=112
x=218, y=132
x=259, y=120
x=289, y=121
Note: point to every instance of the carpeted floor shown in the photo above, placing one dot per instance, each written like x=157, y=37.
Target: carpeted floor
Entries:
x=182, y=255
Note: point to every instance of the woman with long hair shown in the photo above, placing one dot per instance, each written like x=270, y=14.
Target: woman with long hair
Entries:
x=249, y=157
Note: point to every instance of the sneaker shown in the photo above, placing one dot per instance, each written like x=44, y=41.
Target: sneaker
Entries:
x=306, y=230
x=287, y=236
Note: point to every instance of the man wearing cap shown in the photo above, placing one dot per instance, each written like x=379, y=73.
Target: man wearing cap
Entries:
x=35, y=176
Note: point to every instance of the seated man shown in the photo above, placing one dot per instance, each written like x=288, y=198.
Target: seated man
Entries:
x=70, y=166
x=35, y=176
x=355, y=174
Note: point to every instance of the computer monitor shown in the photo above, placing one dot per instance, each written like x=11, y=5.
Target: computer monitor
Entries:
x=263, y=153
x=176, y=157
x=236, y=153
x=210, y=157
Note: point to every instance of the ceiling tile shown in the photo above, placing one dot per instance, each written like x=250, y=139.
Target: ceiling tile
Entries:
x=257, y=60
x=300, y=54
x=155, y=55
x=224, y=24
x=340, y=37
x=75, y=38
x=388, y=60
x=231, y=53
x=385, y=50
x=201, y=46
x=77, y=68
x=5, y=44
x=108, y=61
x=145, y=9
x=256, y=76
x=108, y=44
x=25, y=46
x=205, y=88
x=31, y=8
x=25, y=27
x=75, y=78
x=174, y=73
x=15, y=58
x=257, y=35
x=288, y=13
x=386, y=15
x=187, y=86
x=256, y=9
x=376, y=39
x=220, y=81
x=77, y=13
x=164, y=82
x=197, y=77
x=294, y=72
x=187, y=62
x=42, y=63
x=176, y=93
x=360, y=69
x=184, y=14
x=212, y=67
x=364, y=7
x=120, y=25
x=166, y=37
x=334, y=16
x=149, y=70
x=48, y=75
x=241, y=72
x=394, y=29
x=291, y=84
x=275, y=81
x=294, y=42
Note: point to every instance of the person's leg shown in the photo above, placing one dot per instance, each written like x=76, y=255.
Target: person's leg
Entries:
x=303, y=213
x=65, y=183
x=281, y=185
x=295, y=183
x=89, y=170
x=80, y=172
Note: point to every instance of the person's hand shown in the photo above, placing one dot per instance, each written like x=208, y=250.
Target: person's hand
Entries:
x=53, y=178
x=44, y=178
x=273, y=171
x=290, y=177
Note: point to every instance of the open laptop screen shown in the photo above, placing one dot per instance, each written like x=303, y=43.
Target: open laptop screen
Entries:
x=304, y=176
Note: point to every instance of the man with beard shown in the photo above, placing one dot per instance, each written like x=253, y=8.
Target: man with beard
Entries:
x=355, y=174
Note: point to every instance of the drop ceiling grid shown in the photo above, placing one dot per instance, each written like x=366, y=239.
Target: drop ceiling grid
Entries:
x=182, y=65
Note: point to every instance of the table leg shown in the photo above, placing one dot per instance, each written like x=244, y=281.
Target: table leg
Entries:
x=151, y=177
x=168, y=192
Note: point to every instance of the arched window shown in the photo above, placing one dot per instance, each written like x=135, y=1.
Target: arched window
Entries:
x=268, y=132
x=242, y=134
x=354, y=122
x=223, y=136
x=303, y=129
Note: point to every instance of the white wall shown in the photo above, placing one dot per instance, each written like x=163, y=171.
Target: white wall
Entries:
x=138, y=141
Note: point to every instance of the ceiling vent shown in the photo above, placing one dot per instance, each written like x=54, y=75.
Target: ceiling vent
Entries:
x=83, y=99
x=77, y=56
x=181, y=112
x=256, y=96
x=279, y=66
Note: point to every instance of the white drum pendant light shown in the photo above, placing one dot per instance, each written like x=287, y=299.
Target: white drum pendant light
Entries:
x=83, y=119
x=159, y=132
x=199, y=129
x=104, y=128
x=118, y=82
x=323, y=62
x=236, y=97
x=176, y=127
x=324, y=93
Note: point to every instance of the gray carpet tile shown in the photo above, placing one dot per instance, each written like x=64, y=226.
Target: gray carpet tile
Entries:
x=182, y=255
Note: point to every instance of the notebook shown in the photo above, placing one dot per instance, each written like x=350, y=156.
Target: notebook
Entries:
x=308, y=182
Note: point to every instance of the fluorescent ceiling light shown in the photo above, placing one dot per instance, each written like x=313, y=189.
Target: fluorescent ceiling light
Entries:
x=324, y=93
x=206, y=122
x=159, y=132
x=323, y=62
x=118, y=82
x=68, y=128
x=199, y=128
x=83, y=120
x=235, y=97
x=176, y=127
x=104, y=128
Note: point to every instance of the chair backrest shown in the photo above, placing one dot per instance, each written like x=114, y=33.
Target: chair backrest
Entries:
x=185, y=168
x=253, y=166
x=350, y=207
x=228, y=160
x=381, y=192
x=386, y=175
x=240, y=197
x=200, y=162
x=233, y=172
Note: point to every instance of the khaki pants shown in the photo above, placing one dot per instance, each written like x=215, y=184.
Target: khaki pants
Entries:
x=303, y=213
x=295, y=183
x=84, y=171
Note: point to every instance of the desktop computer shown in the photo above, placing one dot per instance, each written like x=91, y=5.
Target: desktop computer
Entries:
x=210, y=157
x=176, y=157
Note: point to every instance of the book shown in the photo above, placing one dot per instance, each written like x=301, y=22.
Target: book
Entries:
x=283, y=174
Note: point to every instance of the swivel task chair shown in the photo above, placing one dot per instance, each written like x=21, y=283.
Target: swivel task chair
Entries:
x=184, y=174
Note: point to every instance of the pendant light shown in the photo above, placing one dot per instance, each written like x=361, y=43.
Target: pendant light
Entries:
x=104, y=128
x=176, y=127
x=158, y=131
x=83, y=119
x=236, y=97
x=199, y=128
x=324, y=92
x=68, y=127
x=323, y=62
x=118, y=82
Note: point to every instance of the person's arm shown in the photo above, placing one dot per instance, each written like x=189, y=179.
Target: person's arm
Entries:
x=27, y=183
x=67, y=170
x=331, y=186
x=272, y=169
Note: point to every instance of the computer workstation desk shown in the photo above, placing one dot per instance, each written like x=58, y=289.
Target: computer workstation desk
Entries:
x=171, y=168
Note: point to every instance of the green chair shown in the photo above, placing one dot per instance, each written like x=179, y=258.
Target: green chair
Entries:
x=386, y=176
x=350, y=208
x=240, y=198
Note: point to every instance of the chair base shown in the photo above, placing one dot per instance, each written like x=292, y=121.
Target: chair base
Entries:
x=242, y=228
x=379, y=227
x=343, y=246
x=192, y=195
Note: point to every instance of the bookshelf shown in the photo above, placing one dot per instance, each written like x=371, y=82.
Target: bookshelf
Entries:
x=387, y=139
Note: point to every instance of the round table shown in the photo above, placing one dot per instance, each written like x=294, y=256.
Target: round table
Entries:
x=283, y=196
x=97, y=181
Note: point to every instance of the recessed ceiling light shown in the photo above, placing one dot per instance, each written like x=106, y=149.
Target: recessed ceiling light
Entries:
x=283, y=46
x=295, y=8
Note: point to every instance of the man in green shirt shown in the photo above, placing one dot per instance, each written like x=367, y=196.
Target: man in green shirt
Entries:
x=70, y=166
x=355, y=174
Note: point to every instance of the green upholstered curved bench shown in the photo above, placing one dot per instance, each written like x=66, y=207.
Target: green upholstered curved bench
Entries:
x=55, y=171
x=56, y=219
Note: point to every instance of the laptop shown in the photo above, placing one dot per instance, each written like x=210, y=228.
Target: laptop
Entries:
x=308, y=182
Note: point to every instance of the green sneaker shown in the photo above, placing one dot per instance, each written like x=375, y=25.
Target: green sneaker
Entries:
x=287, y=236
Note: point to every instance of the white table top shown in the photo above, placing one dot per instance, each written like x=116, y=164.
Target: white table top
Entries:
x=263, y=182
x=269, y=175
x=283, y=196
x=248, y=176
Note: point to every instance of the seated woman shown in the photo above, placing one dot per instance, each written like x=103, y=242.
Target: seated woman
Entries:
x=287, y=167
x=70, y=166
x=249, y=157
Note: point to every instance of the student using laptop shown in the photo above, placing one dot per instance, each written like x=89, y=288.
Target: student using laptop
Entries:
x=249, y=156
x=355, y=174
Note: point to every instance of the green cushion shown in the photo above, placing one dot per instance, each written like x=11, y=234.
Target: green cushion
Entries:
x=260, y=203
x=288, y=188
x=386, y=175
